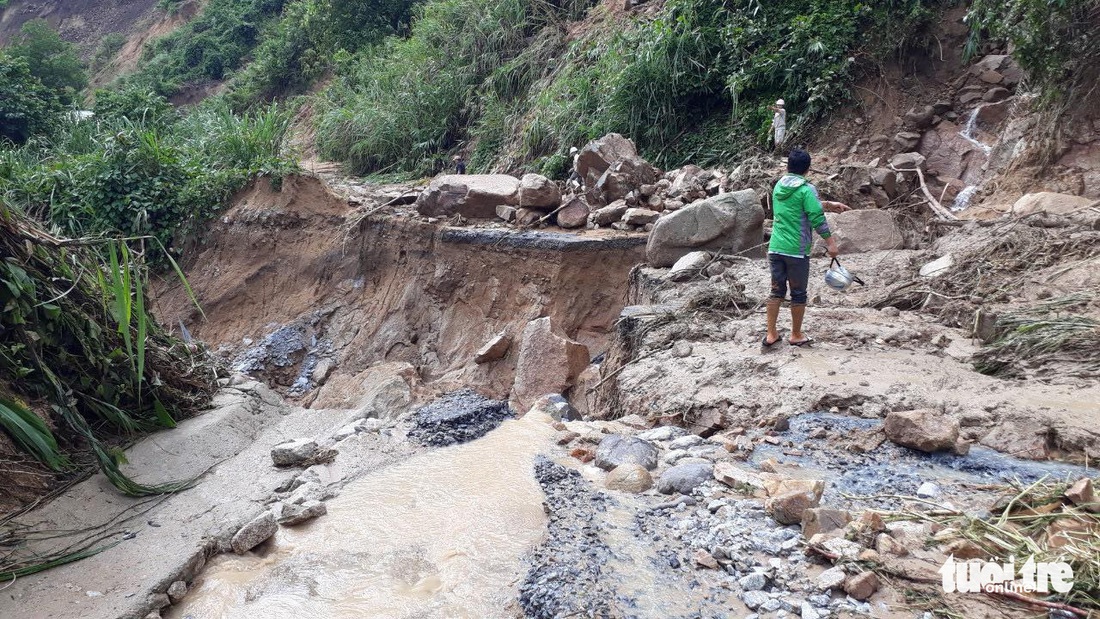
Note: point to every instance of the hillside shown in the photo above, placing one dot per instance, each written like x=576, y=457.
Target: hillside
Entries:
x=266, y=346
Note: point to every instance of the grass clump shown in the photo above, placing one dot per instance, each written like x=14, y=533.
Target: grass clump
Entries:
x=1041, y=336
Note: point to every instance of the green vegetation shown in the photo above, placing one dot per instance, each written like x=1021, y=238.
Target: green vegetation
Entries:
x=140, y=169
x=108, y=46
x=76, y=340
x=27, y=108
x=505, y=77
x=52, y=61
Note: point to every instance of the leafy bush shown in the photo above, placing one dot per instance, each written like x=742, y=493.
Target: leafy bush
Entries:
x=53, y=61
x=27, y=108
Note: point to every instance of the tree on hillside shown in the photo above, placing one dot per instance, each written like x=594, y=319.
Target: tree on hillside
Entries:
x=27, y=107
x=53, y=61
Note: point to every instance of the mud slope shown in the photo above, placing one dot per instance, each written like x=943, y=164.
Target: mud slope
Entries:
x=387, y=289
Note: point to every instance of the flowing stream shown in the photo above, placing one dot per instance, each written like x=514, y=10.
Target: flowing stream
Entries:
x=439, y=535
x=962, y=200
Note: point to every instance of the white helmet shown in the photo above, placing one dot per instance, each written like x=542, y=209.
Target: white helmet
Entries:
x=838, y=277
x=779, y=102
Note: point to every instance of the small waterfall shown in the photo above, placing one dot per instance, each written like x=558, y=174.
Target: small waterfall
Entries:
x=963, y=199
x=968, y=131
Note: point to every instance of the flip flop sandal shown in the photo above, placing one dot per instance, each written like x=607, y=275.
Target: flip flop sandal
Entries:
x=803, y=344
x=764, y=342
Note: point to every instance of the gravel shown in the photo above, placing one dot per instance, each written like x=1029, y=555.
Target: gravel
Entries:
x=458, y=417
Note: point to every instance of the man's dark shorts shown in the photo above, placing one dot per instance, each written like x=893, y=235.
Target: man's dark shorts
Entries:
x=789, y=269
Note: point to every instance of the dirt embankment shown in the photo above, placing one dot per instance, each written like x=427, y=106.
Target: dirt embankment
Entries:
x=348, y=293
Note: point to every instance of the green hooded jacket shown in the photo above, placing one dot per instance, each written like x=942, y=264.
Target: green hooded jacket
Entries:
x=797, y=210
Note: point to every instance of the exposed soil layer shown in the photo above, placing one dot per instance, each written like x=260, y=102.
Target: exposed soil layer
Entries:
x=389, y=288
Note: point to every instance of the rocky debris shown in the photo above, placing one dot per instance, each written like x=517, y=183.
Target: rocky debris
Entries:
x=818, y=520
x=507, y=213
x=996, y=94
x=924, y=430
x=629, y=477
x=575, y=213
x=731, y=223
x=867, y=230
x=548, y=363
x=907, y=140
x=861, y=586
x=705, y=560
x=611, y=168
x=689, y=266
x=296, y=513
x=832, y=578
x=1082, y=495
x=928, y=490
x=556, y=407
x=457, y=417
x=616, y=450
x=538, y=192
x=494, y=349
x=475, y=196
x=684, y=478
x=256, y=532
x=1021, y=440
x=639, y=216
x=789, y=507
x=737, y=478
x=526, y=217
x=294, y=453
x=566, y=577
x=1049, y=203
x=176, y=591
x=609, y=214
x=909, y=161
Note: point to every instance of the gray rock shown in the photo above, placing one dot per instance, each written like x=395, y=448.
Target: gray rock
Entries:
x=771, y=605
x=295, y=513
x=507, y=213
x=675, y=456
x=640, y=216
x=176, y=591
x=832, y=578
x=685, y=442
x=662, y=433
x=471, y=195
x=616, y=449
x=907, y=161
x=538, y=192
x=753, y=582
x=684, y=478
x=732, y=223
x=809, y=612
x=574, y=214
x=294, y=452
x=609, y=214
x=257, y=531
x=754, y=599
x=864, y=230
x=928, y=490
x=924, y=430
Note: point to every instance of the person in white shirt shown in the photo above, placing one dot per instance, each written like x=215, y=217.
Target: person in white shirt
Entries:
x=779, y=123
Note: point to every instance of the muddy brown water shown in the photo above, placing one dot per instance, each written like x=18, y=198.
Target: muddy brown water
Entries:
x=442, y=534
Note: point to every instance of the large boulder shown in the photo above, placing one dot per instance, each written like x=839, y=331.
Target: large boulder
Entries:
x=730, y=223
x=574, y=214
x=863, y=231
x=683, y=478
x=616, y=450
x=548, y=363
x=923, y=430
x=951, y=155
x=611, y=168
x=1049, y=203
x=476, y=196
x=538, y=192
x=257, y=531
x=629, y=477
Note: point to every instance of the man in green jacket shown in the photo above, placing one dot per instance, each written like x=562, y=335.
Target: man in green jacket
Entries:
x=797, y=212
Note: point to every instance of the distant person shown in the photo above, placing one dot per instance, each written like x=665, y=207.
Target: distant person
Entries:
x=460, y=164
x=574, y=179
x=779, y=123
x=798, y=212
